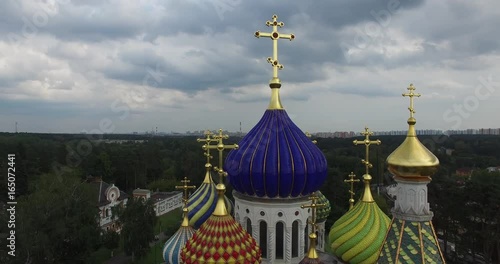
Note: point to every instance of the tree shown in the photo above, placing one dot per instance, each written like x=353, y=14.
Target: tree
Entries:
x=483, y=214
x=138, y=220
x=57, y=222
x=110, y=239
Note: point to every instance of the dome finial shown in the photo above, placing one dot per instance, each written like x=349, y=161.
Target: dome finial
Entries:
x=411, y=94
x=412, y=158
x=208, y=139
x=367, y=196
x=185, y=187
x=312, y=253
x=220, y=208
x=351, y=181
x=275, y=82
x=367, y=142
x=220, y=147
x=208, y=166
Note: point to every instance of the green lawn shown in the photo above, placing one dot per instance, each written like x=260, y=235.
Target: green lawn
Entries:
x=169, y=221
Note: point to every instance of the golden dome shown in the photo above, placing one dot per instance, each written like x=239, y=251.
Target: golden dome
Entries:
x=412, y=158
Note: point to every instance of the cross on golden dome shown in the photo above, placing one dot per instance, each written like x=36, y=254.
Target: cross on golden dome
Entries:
x=312, y=253
x=351, y=181
x=367, y=142
x=185, y=188
x=411, y=94
x=274, y=36
x=220, y=147
x=208, y=139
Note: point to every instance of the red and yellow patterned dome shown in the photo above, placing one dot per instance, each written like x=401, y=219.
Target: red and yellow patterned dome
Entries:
x=221, y=240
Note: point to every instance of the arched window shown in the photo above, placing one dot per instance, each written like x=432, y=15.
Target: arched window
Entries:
x=263, y=238
x=295, y=239
x=280, y=233
x=249, y=226
x=306, y=239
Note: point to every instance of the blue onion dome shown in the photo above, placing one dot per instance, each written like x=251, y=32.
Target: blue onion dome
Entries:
x=173, y=246
x=322, y=213
x=276, y=160
x=202, y=202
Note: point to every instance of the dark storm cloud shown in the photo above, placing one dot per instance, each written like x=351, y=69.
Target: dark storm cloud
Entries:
x=466, y=27
x=315, y=23
x=319, y=27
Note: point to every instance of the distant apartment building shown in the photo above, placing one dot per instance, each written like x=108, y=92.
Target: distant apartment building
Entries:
x=480, y=131
x=120, y=141
x=336, y=134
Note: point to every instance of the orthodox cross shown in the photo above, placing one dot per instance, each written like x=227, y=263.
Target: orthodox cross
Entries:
x=367, y=142
x=220, y=147
x=314, y=205
x=185, y=187
x=275, y=35
x=312, y=236
x=351, y=191
x=208, y=139
x=310, y=136
x=411, y=94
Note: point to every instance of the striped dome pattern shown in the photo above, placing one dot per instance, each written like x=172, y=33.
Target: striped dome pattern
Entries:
x=411, y=242
x=358, y=235
x=276, y=160
x=202, y=202
x=173, y=246
x=221, y=240
x=322, y=213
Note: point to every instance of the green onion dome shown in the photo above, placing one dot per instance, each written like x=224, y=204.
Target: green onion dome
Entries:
x=357, y=236
x=322, y=213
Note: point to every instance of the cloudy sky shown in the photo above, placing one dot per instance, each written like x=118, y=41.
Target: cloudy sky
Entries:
x=130, y=65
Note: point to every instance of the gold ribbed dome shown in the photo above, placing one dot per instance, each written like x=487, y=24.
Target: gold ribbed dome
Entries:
x=412, y=158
